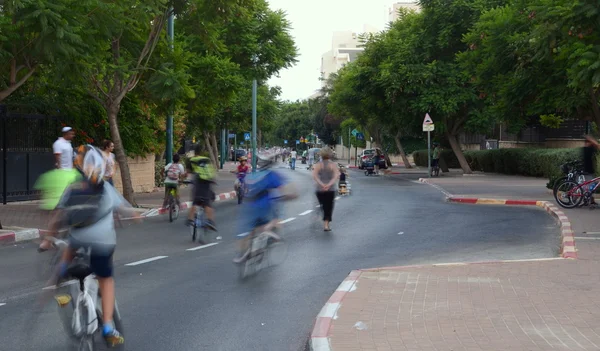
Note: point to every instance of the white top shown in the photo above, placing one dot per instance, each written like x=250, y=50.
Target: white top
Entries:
x=179, y=171
x=64, y=148
x=293, y=154
x=110, y=165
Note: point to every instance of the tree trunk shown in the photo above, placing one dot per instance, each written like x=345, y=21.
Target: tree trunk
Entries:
x=595, y=106
x=259, y=139
x=215, y=147
x=112, y=111
x=208, y=146
x=459, y=154
x=401, y=150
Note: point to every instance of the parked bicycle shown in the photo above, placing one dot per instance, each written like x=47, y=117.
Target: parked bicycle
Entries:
x=570, y=194
x=572, y=174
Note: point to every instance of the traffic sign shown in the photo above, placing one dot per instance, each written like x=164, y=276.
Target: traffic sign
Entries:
x=246, y=136
x=231, y=136
x=285, y=141
x=297, y=142
x=241, y=143
x=360, y=136
x=427, y=119
x=428, y=127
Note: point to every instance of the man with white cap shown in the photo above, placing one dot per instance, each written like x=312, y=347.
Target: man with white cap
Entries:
x=63, y=150
x=54, y=183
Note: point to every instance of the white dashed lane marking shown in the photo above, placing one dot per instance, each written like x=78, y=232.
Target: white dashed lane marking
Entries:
x=202, y=247
x=136, y=263
x=287, y=220
x=305, y=213
x=2, y=304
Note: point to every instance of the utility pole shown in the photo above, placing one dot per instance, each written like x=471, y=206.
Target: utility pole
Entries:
x=254, y=95
x=171, y=35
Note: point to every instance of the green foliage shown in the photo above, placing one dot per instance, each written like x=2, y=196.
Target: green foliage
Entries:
x=551, y=120
x=528, y=162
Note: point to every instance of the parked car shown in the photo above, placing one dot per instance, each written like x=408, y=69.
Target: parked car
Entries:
x=368, y=153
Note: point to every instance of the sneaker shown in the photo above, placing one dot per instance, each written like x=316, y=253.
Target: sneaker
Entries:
x=113, y=338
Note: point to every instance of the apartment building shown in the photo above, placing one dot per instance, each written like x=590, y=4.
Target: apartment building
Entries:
x=393, y=11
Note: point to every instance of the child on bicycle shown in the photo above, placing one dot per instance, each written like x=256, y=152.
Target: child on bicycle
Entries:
x=264, y=188
x=175, y=171
x=87, y=208
x=204, y=175
x=241, y=171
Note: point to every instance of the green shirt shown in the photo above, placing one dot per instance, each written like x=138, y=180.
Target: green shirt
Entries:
x=203, y=168
x=436, y=153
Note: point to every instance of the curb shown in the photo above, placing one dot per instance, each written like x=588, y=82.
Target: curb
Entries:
x=319, y=337
x=26, y=234
x=568, y=249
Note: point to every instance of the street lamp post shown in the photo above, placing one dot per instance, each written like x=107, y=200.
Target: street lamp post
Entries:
x=171, y=35
x=254, y=96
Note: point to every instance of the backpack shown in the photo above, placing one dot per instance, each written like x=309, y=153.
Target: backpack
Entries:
x=82, y=205
x=173, y=172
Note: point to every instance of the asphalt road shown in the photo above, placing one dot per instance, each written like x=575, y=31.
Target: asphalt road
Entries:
x=192, y=300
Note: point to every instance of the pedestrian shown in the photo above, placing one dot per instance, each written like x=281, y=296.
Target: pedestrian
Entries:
x=293, y=155
x=326, y=174
x=109, y=161
x=590, y=150
x=435, y=161
x=53, y=183
x=376, y=160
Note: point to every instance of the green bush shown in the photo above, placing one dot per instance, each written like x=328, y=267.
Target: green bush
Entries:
x=527, y=162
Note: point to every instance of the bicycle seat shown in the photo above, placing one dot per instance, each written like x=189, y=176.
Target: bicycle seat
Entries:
x=79, y=269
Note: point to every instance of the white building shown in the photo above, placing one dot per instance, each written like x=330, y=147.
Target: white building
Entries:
x=345, y=48
x=393, y=12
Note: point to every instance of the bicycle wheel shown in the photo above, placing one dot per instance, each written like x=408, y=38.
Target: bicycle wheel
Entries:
x=568, y=194
x=558, y=182
x=277, y=252
x=171, y=205
x=240, y=194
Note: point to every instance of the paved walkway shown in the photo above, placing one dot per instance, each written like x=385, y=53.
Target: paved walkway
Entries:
x=522, y=305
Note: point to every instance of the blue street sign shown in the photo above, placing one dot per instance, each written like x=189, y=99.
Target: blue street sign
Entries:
x=231, y=136
x=241, y=143
x=246, y=136
x=297, y=142
x=360, y=136
x=285, y=141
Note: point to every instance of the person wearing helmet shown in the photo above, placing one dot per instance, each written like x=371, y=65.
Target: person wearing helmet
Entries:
x=204, y=176
x=241, y=171
x=87, y=208
x=264, y=187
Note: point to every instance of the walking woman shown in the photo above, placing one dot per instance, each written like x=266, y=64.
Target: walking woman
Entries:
x=326, y=174
x=109, y=159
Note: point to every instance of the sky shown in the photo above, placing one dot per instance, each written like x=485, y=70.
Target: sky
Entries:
x=313, y=23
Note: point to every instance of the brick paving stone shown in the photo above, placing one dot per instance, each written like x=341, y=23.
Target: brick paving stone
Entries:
x=532, y=305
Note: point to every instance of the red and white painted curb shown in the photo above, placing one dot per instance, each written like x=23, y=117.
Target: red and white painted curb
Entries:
x=319, y=337
x=25, y=234
x=568, y=249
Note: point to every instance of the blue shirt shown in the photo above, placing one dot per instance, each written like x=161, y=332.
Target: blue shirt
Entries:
x=260, y=186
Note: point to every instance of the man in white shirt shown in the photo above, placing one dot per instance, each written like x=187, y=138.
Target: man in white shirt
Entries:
x=63, y=150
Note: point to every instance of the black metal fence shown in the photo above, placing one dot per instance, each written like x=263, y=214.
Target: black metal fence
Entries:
x=26, y=145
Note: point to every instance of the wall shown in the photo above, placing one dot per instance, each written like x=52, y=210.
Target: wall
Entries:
x=550, y=143
x=142, y=174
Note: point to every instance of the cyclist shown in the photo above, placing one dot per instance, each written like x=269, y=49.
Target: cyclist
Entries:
x=175, y=172
x=204, y=175
x=87, y=208
x=241, y=171
x=264, y=188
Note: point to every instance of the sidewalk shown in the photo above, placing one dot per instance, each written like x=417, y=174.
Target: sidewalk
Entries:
x=548, y=304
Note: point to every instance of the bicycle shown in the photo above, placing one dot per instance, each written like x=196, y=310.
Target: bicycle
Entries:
x=172, y=204
x=572, y=170
x=266, y=249
x=82, y=317
x=241, y=192
x=570, y=194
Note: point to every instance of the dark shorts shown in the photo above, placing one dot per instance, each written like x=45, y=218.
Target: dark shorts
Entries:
x=101, y=259
x=435, y=162
x=203, y=194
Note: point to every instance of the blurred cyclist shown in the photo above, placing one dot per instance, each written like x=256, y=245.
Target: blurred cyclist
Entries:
x=265, y=187
x=87, y=208
x=175, y=172
x=204, y=175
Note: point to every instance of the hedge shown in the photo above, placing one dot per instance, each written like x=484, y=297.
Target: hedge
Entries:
x=528, y=162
